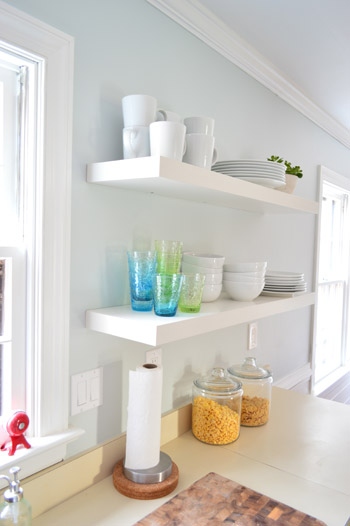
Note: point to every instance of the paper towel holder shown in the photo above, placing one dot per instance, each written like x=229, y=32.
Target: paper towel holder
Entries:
x=154, y=482
x=154, y=475
x=144, y=491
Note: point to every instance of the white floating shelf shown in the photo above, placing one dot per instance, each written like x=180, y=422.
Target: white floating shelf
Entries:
x=171, y=178
x=146, y=327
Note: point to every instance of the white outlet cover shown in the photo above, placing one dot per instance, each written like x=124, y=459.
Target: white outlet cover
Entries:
x=252, y=336
x=154, y=356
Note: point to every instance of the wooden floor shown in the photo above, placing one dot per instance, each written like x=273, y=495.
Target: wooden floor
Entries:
x=340, y=391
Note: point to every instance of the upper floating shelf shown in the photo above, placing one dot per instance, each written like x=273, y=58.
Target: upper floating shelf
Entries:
x=146, y=327
x=171, y=178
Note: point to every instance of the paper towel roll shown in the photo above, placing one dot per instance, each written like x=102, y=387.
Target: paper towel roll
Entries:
x=144, y=417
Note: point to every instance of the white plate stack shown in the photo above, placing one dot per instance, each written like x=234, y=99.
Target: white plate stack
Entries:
x=265, y=173
x=284, y=283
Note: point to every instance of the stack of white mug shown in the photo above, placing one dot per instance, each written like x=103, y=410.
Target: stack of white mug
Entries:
x=200, y=142
x=151, y=131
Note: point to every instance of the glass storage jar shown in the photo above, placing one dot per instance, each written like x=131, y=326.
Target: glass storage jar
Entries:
x=256, y=382
x=216, y=408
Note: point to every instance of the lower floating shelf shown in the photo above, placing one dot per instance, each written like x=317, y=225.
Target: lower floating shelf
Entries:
x=146, y=327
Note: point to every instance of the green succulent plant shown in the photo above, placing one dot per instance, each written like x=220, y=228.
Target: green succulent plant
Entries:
x=294, y=170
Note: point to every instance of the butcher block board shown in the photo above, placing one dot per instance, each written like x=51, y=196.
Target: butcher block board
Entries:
x=215, y=500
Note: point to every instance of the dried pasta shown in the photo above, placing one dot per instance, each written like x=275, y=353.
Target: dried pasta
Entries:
x=214, y=423
x=255, y=411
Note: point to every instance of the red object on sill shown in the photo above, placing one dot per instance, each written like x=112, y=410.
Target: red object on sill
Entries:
x=16, y=425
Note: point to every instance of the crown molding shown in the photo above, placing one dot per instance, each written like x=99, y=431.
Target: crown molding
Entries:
x=201, y=22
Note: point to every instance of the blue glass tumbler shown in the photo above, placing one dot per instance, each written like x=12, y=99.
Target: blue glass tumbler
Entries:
x=142, y=269
x=166, y=292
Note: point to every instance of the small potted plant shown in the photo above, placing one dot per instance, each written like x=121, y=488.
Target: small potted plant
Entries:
x=293, y=173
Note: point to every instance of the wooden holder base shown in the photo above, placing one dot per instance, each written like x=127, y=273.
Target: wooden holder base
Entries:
x=144, y=491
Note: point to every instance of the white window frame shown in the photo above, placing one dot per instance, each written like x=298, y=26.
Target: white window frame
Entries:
x=49, y=334
x=330, y=176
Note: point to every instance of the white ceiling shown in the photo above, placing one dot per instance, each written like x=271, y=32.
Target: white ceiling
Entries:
x=308, y=41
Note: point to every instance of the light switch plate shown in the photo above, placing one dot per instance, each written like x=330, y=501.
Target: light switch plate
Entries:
x=86, y=390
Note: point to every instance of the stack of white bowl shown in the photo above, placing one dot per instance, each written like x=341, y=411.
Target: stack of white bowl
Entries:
x=211, y=265
x=244, y=281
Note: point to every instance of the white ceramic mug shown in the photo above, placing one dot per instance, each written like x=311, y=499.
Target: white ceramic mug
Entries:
x=167, y=139
x=200, y=150
x=166, y=115
x=200, y=125
x=139, y=110
x=136, y=142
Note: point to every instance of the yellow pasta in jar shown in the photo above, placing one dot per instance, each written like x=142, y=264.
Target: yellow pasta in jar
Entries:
x=255, y=411
x=214, y=423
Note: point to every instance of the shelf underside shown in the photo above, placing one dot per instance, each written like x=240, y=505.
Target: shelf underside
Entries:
x=147, y=328
x=170, y=178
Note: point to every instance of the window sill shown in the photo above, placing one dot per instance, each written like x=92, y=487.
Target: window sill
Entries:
x=44, y=452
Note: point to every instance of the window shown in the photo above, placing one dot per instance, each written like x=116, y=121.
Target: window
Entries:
x=332, y=313
x=42, y=176
x=14, y=102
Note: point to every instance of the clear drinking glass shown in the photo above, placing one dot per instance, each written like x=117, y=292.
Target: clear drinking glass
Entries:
x=191, y=292
x=142, y=269
x=166, y=293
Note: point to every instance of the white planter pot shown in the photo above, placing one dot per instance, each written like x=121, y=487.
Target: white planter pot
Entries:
x=291, y=181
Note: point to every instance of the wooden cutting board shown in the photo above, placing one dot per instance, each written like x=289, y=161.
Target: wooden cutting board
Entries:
x=215, y=500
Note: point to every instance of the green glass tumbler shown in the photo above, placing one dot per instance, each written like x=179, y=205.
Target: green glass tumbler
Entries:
x=191, y=292
x=169, y=256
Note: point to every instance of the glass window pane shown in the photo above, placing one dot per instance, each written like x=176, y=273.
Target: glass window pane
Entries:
x=329, y=329
x=9, y=216
x=2, y=290
x=333, y=296
x=331, y=243
x=1, y=381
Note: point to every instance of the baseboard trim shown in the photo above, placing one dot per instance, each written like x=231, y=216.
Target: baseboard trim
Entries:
x=333, y=377
x=295, y=377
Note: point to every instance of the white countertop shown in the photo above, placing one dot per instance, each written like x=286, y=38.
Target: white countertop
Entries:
x=300, y=457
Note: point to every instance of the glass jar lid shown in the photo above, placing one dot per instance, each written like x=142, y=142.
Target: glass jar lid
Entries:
x=249, y=370
x=218, y=383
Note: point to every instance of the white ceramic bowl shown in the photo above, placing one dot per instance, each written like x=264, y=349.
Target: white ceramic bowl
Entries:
x=204, y=260
x=235, y=276
x=187, y=267
x=242, y=291
x=258, y=274
x=211, y=292
x=213, y=279
x=249, y=266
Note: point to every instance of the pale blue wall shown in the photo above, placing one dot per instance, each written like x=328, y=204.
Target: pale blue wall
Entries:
x=124, y=47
